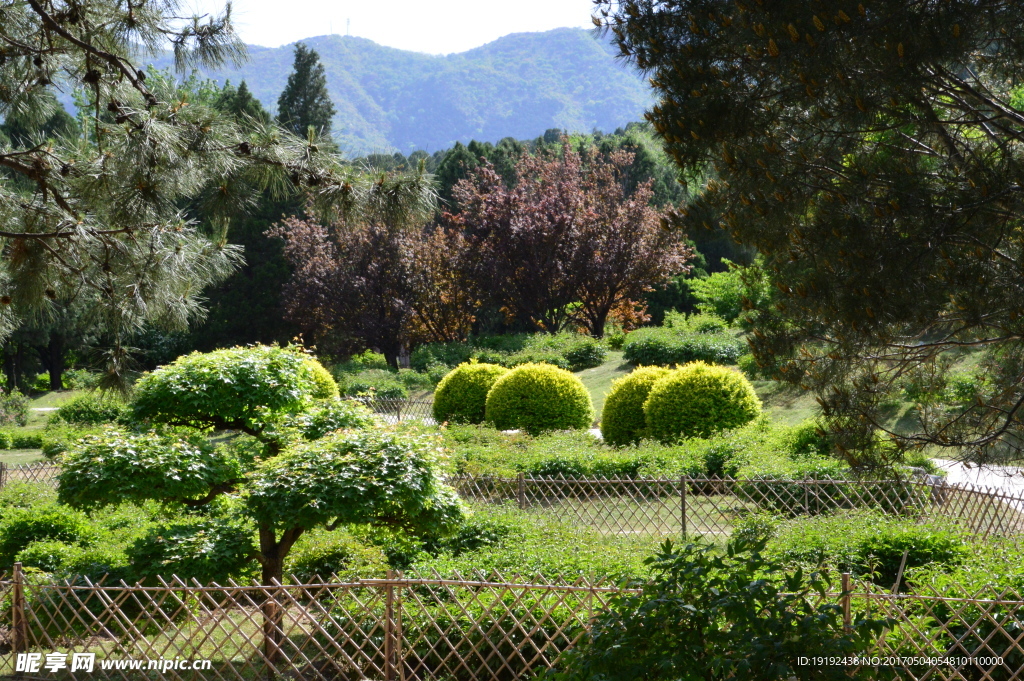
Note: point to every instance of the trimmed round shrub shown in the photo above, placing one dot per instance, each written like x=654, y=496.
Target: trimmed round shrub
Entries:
x=539, y=397
x=324, y=385
x=235, y=388
x=698, y=400
x=23, y=526
x=461, y=396
x=622, y=420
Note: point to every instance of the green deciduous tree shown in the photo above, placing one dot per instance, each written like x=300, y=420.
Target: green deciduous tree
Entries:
x=871, y=152
x=304, y=102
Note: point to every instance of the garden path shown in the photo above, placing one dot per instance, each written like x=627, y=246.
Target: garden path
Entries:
x=1009, y=479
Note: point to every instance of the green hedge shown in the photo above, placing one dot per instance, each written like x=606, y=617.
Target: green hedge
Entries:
x=658, y=346
x=91, y=409
x=869, y=543
x=573, y=352
x=757, y=449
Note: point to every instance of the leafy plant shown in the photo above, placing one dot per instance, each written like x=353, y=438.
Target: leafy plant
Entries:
x=90, y=409
x=241, y=388
x=22, y=526
x=539, y=397
x=869, y=543
x=375, y=383
x=707, y=614
x=319, y=555
x=13, y=409
x=327, y=416
x=207, y=549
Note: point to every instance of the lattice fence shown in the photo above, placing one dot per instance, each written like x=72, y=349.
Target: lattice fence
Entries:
x=394, y=410
x=710, y=506
x=44, y=473
x=417, y=627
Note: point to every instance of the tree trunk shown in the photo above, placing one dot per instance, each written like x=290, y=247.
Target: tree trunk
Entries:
x=273, y=553
x=52, y=356
x=10, y=368
x=273, y=616
x=597, y=322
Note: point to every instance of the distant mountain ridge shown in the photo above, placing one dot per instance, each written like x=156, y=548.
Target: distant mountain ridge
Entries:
x=517, y=86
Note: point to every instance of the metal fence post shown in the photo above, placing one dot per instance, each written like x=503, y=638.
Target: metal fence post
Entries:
x=845, y=602
x=522, y=492
x=19, y=628
x=389, y=628
x=682, y=503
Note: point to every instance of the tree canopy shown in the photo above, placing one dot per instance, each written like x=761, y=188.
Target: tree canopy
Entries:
x=871, y=152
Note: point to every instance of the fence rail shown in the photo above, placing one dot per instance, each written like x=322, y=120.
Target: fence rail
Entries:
x=708, y=505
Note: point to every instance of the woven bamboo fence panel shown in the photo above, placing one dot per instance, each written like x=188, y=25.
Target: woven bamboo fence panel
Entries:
x=401, y=627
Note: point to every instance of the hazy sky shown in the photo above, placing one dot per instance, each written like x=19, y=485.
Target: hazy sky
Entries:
x=433, y=26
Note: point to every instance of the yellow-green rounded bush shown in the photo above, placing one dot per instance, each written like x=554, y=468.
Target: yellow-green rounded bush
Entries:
x=622, y=420
x=324, y=385
x=539, y=397
x=698, y=400
x=461, y=396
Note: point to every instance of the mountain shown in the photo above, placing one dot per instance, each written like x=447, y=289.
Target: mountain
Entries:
x=517, y=86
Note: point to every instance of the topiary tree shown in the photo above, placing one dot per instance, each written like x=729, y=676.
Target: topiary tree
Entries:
x=294, y=485
x=461, y=396
x=539, y=397
x=698, y=400
x=623, y=421
x=251, y=389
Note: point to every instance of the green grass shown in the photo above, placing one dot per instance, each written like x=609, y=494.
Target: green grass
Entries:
x=599, y=379
x=20, y=457
x=37, y=419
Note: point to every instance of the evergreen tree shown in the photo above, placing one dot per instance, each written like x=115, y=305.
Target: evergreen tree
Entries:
x=304, y=102
x=240, y=103
x=871, y=151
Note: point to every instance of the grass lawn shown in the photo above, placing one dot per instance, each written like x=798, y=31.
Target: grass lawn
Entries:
x=20, y=457
x=599, y=379
x=38, y=418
